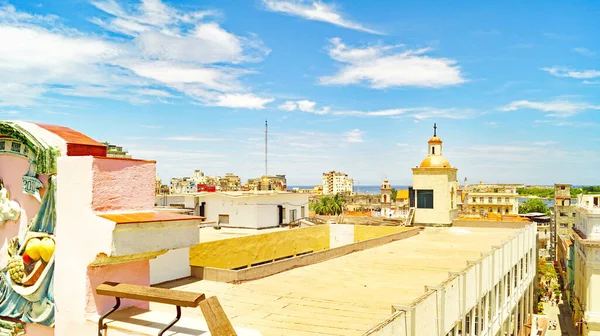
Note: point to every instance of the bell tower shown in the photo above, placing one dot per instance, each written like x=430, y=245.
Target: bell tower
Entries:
x=386, y=201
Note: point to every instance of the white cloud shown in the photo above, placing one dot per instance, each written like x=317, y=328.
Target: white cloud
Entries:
x=236, y=100
x=567, y=72
x=316, y=11
x=586, y=82
x=354, y=135
x=556, y=108
x=382, y=67
x=191, y=138
x=418, y=113
x=304, y=106
x=584, y=51
x=161, y=47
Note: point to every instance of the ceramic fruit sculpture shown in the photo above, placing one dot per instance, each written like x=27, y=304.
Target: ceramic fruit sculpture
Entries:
x=16, y=267
x=33, y=248
x=46, y=248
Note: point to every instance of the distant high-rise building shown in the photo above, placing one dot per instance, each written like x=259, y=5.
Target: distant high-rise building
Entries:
x=337, y=183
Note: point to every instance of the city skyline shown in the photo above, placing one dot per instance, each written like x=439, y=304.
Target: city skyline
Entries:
x=345, y=86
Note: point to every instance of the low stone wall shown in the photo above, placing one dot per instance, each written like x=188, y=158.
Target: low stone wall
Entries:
x=257, y=272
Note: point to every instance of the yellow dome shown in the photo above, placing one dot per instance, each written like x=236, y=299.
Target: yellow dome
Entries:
x=435, y=161
x=435, y=139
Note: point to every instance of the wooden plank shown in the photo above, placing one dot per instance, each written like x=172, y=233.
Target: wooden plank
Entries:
x=216, y=320
x=151, y=294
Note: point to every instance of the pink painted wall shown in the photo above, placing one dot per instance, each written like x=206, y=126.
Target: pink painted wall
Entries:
x=12, y=169
x=135, y=273
x=38, y=330
x=123, y=185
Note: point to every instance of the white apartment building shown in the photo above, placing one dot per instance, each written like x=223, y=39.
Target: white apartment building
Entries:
x=251, y=210
x=502, y=199
x=337, y=183
x=585, y=297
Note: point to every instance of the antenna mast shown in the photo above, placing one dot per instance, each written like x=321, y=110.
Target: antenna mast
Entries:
x=266, y=135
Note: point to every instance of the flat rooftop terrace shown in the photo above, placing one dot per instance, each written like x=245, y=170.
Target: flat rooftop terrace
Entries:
x=347, y=295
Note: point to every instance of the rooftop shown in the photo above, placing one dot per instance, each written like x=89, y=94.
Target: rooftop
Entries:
x=350, y=294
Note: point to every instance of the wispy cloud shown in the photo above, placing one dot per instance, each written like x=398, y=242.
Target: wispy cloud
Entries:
x=556, y=108
x=561, y=36
x=192, y=138
x=304, y=106
x=567, y=72
x=161, y=50
x=491, y=124
x=584, y=51
x=382, y=66
x=565, y=123
x=354, y=135
x=315, y=11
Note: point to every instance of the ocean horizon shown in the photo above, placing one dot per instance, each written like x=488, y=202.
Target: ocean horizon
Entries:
x=366, y=189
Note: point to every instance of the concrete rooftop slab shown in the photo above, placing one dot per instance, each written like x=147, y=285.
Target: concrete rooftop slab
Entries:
x=350, y=294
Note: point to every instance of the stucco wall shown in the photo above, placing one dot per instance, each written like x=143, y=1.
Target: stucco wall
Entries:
x=440, y=181
x=170, y=266
x=341, y=234
x=365, y=232
x=123, y=184
x=248, y=250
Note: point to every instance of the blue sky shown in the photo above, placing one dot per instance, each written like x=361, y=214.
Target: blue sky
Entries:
x=348, y=86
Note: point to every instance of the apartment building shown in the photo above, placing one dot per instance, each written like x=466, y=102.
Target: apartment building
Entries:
x=585, y=272
x=497, y=198
x=267, y=183
x=230, y=182
x=337, y=183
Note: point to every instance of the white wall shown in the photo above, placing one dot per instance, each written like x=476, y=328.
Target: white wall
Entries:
x=174, y=264
x=340, y=235
x=440, y=181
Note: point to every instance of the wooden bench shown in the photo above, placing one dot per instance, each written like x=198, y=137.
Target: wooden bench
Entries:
x=216, y=320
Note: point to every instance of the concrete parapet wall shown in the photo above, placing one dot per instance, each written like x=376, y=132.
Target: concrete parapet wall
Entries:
x=490, y=224
x=257, y=272
x=246, y=251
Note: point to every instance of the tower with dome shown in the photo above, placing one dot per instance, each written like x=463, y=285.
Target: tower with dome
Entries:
x=434, y=190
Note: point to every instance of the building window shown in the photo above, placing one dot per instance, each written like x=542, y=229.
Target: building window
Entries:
x=425, y=199
x=499, y=199
x=432, y=150
x=15, y=147
x=474, y=199
x=481, y=199
x=302, y=212
x=563, y=214
x=489, y=209
x=490, y=200
x=473, y=209
x=562, y=225
x=499, y=210
x=566, y=202
x=507, y=200
x=573, y=214
x=506, y=210
x=292, y=215
x=561, y=187
x=2, y=145
x=223, y=219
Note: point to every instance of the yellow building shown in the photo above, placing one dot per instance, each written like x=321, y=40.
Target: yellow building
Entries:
x=434, y=190
x=585, y=297
x=497, y=198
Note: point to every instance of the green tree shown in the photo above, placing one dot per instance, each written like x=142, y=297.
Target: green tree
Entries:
x=533, y=205
x=394, y=194
x=329, y=205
